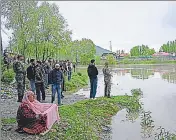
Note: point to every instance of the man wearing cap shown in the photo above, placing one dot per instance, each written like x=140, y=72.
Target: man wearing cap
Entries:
x=107, y=80
x=92, y=73
x=56, y=79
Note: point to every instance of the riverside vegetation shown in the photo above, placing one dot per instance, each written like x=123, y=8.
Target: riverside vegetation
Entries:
x=86, y=119
x=91, y=119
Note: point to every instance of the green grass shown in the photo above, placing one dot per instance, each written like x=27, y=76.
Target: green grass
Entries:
x=84, y=120
x=8, y=76
x=79, y=80
x=8, y=120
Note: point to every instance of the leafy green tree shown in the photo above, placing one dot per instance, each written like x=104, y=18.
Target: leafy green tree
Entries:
x=111, y=60
x=170, y=47
x=142, y=50
x=17, y=16
x=97, y=60
x=87, y=50
x=40, y=31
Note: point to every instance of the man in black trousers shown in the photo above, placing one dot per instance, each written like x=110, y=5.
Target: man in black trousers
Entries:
x=39, y=81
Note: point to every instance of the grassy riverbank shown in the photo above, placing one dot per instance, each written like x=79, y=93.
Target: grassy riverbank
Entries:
x=79, y=80
x=86, y=119
x=90, y=119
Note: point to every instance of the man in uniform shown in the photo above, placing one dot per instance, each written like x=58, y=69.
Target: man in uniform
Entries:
x=39, y=81
x=107, y=80
x=19, y=70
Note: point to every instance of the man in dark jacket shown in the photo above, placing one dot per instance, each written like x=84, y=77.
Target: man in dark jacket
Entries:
x=56, y=79
x=31, y=74
x=63, y=81
x=39, y=81
x=92, y=73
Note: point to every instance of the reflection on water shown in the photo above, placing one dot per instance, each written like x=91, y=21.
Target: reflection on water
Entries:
x=132, y=115
x=166, y=73
x=147, y=126
x=141, y=127
x=141, y=73
x=158, y=86
x=159, y=97
x=145, y=77
x=170, y=77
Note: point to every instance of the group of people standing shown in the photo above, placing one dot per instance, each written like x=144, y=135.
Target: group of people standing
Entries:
x=41, y=75
x=34, y=117
x=93, y=73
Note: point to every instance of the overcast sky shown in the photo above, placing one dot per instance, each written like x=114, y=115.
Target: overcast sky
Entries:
x=126, y=24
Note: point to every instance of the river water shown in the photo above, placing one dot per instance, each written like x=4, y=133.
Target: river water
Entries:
x=158, y=83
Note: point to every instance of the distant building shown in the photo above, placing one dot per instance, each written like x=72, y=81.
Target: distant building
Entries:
x=161, y=54
x=124, y=54
x=104, y=55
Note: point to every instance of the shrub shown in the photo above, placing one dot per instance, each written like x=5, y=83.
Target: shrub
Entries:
x=111, y=60
x=8, y=76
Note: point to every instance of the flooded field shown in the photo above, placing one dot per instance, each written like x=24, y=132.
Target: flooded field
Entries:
x=157, y=116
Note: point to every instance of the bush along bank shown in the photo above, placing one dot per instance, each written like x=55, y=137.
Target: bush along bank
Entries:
x=8, y=76
x=86, y=119
x=78, y=81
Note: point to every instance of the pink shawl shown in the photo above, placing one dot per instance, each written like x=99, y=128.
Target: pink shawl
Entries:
x=51, y=110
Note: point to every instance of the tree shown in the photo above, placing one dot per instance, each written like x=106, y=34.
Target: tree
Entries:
x=16, y=14
x=85, y=50
x=142, y=50
x=170, y=47
x=110, y=59
x=40, y=31
x=37, y=30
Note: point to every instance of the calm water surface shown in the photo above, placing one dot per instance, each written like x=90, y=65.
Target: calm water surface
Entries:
x=158, y=83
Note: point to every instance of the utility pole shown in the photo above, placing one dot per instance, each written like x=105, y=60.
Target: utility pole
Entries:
x=110, y=46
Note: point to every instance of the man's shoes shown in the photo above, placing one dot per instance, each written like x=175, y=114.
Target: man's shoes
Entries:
x=20, y=130
x=19, y=100
x=62, y=96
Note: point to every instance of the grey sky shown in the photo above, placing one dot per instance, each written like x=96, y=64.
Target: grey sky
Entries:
x=124, y=23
